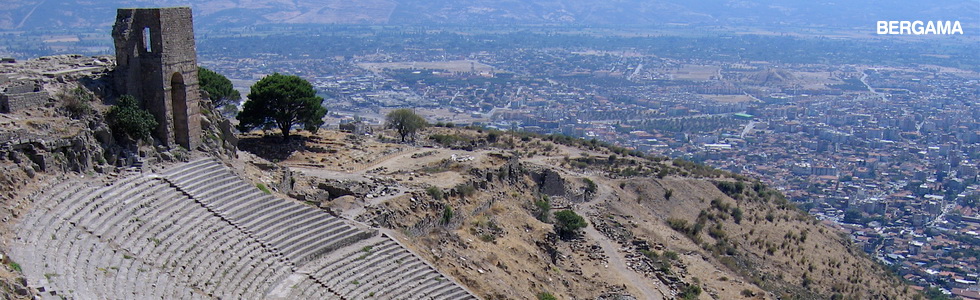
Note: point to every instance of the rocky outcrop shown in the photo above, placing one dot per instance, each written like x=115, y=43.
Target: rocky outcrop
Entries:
x=77, y=153
x=16, y=289
x=13, y=287
x=218, y=136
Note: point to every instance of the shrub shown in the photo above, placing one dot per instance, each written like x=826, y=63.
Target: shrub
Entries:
x=466, y=189
x=737, y=215
x=567, y=223
x=435, y=192
x=76, y=101
x=730, y=188
x=263, y=188
x=748, y=293
x=16, y=267
x=128, y=121
x=678, y=225
x=546, y=296
x=716, y=232
x=492, y=136
x=649, y=254
x=690, y=292
x=489, y=238
x=718, y=204
x=806, y=281
x=541, y=210
x=449, y=140
x=447, y=215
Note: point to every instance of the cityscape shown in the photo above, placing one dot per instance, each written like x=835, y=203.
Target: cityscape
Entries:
x=888, y=154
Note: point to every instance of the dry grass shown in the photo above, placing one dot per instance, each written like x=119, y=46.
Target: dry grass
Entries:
x=831, y=264
x=768, y=255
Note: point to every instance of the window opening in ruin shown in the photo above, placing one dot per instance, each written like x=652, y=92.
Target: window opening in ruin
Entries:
x=146, y=39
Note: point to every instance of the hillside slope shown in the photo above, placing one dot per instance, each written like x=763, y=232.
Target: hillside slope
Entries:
x=465, y=200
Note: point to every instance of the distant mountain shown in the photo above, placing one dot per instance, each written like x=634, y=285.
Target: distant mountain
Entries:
x=708, y=12
x=58, y=14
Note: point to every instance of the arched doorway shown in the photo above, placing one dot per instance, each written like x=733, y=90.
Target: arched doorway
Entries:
x=178, y=100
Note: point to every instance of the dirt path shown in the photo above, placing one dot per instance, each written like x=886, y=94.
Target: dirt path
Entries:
x=646, y=287
x=355, y=173
x=400, y=154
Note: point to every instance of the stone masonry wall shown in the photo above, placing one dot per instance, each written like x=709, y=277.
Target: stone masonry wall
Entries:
x=17, y=96
x=162, y=72
x=15, y=102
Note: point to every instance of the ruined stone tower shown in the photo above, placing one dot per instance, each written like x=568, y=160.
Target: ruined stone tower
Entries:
x=157, y=63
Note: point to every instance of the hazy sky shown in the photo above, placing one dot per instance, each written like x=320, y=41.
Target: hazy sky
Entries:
x=861, y=14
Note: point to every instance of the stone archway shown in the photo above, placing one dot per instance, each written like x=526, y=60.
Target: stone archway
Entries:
x=178, y=100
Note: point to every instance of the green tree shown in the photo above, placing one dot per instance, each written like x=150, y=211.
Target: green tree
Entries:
x=853, y=217
x=934, y=293
x=541, y=209
x=590, y=186
x=219, y=88
x=128, y=121
x=567, y=223
x=405, y=121
x=282, y=101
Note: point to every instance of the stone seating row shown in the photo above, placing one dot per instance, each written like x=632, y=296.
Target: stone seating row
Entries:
x=302, y=233
x=298, y=231
x=75, y=264
x=384, y=269
x=143, y=217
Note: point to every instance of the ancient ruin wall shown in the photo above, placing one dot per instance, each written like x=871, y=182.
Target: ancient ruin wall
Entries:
x=15, y=97
x=16, y=102
x=157, y=63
